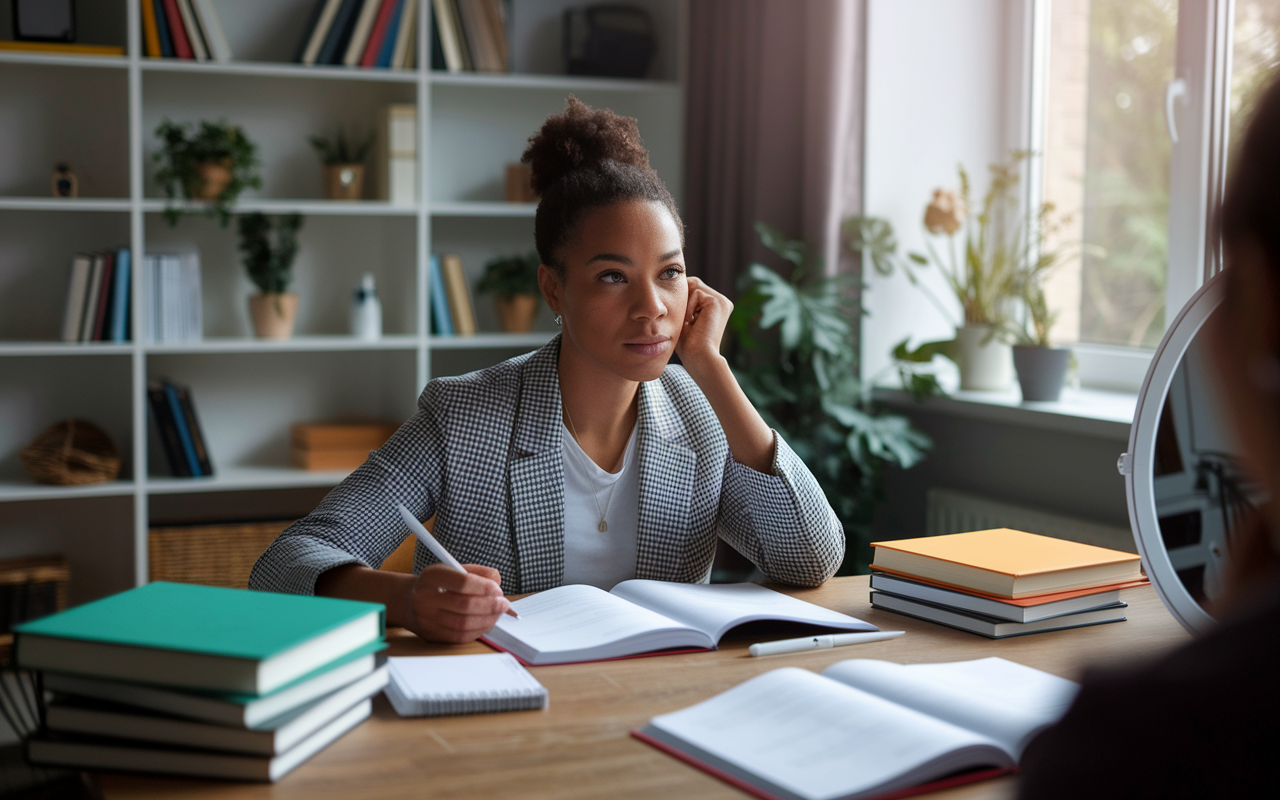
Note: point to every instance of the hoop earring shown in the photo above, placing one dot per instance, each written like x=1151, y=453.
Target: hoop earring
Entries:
x=558, y=320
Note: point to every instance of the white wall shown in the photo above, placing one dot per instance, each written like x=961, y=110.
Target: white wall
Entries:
x=937, y=95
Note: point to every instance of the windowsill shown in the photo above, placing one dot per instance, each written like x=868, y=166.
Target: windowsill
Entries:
x=1089, y=412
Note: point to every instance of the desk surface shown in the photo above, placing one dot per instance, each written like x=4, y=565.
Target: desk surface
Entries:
x=581, y=748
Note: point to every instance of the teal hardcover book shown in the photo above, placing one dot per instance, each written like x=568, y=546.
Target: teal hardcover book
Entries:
x=199, y=637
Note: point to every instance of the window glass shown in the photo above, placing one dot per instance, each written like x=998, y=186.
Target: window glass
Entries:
x=1255, y=55
x=1106, y=163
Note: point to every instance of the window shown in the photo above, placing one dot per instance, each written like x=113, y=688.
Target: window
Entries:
x=1135, y=107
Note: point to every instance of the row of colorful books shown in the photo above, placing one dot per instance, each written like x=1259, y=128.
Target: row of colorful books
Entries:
x=469, y=36
x=97, y=306
x=452, y=313
x=361, y=33
x=172, y=294
x=201, y=680
x=1002, y=582
x=179, y=429
x=186, y=29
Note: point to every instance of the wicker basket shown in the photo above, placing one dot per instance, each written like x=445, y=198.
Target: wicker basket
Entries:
x=213, y=555
x=71, y=453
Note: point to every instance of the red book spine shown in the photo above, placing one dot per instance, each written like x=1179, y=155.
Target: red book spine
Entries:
x=104, y=297
x=379, y=33
x=181, y=44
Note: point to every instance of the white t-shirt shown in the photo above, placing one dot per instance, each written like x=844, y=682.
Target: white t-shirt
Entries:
x=602, y=559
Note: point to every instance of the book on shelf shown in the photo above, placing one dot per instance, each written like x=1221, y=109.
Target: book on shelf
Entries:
x=186, y=29
x=337, y=445
x=62, y=48
x=361, y=31
x=215, y=37
x=150, y=31
x=317, y=30
x=441, y=320
x=396, y=154
x=473, y=36
x=865, y=728
x=167, y=47
x=449, y=29
x=576, y=623
x=172, y=293
x=177, y=30
x=77, y=293
x=194, y=35
x=97, y=304
x=405, y=47
x=461, y=311
x=387, y=14
x=335, y=41
x=179, y=430
x=434, y=686
x=1007, y=563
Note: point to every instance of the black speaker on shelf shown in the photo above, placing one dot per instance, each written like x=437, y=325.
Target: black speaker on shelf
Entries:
x=609, y=41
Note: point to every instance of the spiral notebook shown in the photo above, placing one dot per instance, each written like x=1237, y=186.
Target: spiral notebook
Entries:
x=433, y=686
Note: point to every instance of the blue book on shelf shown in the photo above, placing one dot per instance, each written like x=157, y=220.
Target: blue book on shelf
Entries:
x=162, y=29
x=120, y=298
x=184, y=433
x=441, y=319
x=389, y=39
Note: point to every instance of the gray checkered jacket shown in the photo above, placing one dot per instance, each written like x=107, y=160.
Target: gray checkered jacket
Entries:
x=483, y=455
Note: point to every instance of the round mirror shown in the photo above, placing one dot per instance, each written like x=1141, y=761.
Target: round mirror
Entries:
x=1186, y=492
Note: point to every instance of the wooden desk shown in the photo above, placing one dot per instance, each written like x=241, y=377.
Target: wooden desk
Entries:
x=581, y=748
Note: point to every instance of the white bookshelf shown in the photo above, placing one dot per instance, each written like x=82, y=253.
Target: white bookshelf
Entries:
x=99, y=114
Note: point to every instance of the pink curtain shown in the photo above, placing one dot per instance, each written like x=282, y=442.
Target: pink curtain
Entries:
x=774, y=115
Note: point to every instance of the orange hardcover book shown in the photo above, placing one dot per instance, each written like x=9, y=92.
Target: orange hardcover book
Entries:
x=1024, y=602
x=150, y=33
x=62, y=48
x=1007, y=563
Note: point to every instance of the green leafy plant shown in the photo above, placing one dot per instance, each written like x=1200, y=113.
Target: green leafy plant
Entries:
x=189, y=153
x=795, y=357
x=270, y=266
x=508, y=276
x=344, y=146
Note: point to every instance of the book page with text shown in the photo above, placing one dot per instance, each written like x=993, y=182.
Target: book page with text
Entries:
x=579, y=622
x=809, y=737
x=1007, y=702
x=715, y=608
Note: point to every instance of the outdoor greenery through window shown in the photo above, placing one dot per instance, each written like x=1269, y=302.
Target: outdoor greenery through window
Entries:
x=1255, y=55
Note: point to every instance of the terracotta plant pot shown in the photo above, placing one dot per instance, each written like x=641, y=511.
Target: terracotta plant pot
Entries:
x=344, y=181
x=273, y=314
x=1041, y=371
x=214, y=177
x=986, y=363
x=516, y=313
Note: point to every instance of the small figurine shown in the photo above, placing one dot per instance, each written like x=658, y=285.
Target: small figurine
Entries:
x=64, y=181
x=366, y=310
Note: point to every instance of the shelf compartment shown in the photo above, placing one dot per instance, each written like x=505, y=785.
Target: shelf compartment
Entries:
x=65, y=204
x=359, y=208
x=228, y=479
x=295, y=344
x=60, y=60
x=18, y=490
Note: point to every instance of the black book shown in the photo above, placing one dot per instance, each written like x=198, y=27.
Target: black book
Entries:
x=339, y=36
x=168, y=429
x=308, y=29
x=437, y=49
x=193, y=426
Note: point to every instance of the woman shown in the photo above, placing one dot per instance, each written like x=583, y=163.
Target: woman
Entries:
x=1205, y=720
x=591, y=460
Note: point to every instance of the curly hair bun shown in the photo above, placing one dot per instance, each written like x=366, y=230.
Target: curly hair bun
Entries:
x=582, y=137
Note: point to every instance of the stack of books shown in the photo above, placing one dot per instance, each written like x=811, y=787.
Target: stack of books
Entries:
x=469, y=36
x=172, y=293
x=97, y=307
x=186, y=29
x=1002, y=582
x=179, y=429
x=361, y=33
x=202, y=680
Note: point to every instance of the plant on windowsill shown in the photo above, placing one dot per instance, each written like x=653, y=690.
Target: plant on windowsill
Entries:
x=1041, y=367
x=343, y=155
x=214, y=162
x=513, y=281
x=270, y=266
x=795, y=356
x=983, y=260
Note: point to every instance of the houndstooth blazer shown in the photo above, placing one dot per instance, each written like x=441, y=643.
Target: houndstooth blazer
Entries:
x=483, y=454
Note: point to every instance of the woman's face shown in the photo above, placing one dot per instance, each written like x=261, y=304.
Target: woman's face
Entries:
x=623, y=293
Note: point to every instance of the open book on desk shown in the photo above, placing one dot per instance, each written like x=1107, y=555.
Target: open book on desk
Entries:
x=575, y=623
x=865, y=728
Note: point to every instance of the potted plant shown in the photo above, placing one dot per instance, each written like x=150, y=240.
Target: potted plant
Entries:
x=213, y=162
x=343, y=155
x=986, y=256
x=1041, y=367
x=513, y=281
x=274, y=309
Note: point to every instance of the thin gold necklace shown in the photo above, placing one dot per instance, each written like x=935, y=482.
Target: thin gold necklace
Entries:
x=602, y=525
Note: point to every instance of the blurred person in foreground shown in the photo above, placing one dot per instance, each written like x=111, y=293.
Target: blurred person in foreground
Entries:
x=1204, y=720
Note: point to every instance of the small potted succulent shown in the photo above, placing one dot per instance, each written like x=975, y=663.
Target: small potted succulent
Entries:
x=513, y=281
x=212, y=162
x=343, y=155
x=270, y=266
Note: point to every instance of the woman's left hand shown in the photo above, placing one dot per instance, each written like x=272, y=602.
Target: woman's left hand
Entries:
x=705, y=317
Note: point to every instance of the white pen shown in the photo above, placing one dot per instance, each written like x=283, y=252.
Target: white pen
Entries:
x=821, y=642
x=434, y=546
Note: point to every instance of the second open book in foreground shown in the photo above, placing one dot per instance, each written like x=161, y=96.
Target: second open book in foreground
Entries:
x=582, y=623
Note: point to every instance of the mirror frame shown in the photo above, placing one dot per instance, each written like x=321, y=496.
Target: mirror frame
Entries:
x=1138, y=464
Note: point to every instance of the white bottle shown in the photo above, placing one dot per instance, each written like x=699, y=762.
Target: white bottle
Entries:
x=366, y=310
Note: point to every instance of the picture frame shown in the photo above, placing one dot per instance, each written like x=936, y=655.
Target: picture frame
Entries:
x=44, y=20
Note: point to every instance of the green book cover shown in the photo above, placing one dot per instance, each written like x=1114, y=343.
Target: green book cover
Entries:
x=210, y=620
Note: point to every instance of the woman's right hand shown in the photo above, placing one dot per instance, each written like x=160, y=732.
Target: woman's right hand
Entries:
x=450, y=606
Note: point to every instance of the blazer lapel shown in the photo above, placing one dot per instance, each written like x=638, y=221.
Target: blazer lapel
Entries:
x=536, y=474
x=667, y=470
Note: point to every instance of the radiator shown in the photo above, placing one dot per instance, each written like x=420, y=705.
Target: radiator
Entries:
x=949, y=511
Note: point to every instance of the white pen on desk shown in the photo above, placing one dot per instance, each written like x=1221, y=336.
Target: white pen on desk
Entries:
x=434, y=546
x=821, y=642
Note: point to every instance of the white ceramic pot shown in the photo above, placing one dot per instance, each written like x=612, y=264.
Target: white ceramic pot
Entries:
x=986, y=363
